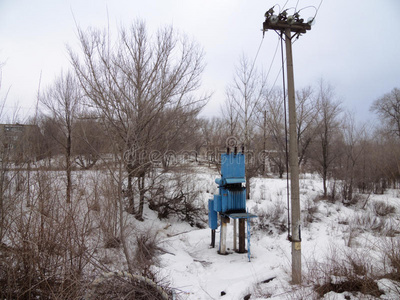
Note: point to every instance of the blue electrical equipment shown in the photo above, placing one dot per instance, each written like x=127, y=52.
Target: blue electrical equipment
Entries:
x=232, y=195
x=231, y=200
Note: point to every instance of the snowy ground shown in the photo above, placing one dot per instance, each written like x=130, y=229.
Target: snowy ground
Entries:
x=194, y=270
x=197, y=271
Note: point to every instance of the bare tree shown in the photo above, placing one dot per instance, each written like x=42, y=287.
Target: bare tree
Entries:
x=271, y=121
x=49, y=149
x=132, y=81
x=275, y=122
x=329, y=127
x=62, y=101
x=179, y=136
x=4, y=156
x=307, y=108
x=214, y=134
x=3, y=98
x=243, y=95
x=388, y=109
x=91, y=142
x=230, y=114
x=384, y=157
x=354, y=136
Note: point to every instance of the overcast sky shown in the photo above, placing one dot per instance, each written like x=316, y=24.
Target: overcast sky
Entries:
x=354, y=45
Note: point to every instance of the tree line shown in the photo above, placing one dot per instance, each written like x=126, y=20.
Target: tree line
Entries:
x=129, y=109
x=136, y=97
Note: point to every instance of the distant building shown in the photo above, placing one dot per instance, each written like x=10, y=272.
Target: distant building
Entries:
x=20, y=143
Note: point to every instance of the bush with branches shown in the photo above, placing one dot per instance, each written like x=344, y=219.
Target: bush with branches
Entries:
x=45, y=252
x=273, y=219
x=179, y=197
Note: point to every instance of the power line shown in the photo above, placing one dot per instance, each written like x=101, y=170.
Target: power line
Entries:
x=285, y=5
x=255, y=58
x=296, y=4
x=273, y=59
x=318, y=8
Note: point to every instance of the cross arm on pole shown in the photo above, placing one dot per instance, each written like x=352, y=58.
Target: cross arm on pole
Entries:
x=283, y=25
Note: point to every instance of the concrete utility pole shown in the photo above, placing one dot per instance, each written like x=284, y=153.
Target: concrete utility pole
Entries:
x=294, y=165
x=286, y=25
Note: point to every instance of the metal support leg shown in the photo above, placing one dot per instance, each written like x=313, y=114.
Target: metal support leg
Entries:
x=234, y=234
x=248, y=238
x=222, y=239
x=242, y=236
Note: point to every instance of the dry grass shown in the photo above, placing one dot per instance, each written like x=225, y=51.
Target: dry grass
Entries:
x=357, y=271
x=44, y=254
x=343, y=271
x=146, y=252
x=122, y=285
x=383, y=209
x=390, y=251
x=273, y=219
x=49, y=249
x=310, y=211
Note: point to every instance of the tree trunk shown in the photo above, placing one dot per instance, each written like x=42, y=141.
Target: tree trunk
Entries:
x=247, y=187
x=350, y=193
x=28, y=191
x=142, y=192
x=2, y=213
x=68, y=168
x=324, y=183
x=131, y=200
x=281, y=171
x=121, y=218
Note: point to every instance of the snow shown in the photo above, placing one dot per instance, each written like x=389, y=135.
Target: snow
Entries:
x=197, y=271
x=329, y=230
x=200, y=272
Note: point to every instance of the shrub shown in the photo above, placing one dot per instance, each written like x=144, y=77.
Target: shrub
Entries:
x=108, y=214
x=369, y=222
x=310, y=211
x=274, y=218
x=383, y=209
x=350, y=272
x=123, y=285
x=46, y=250
x=357, y=272
x=182, y=198
x=391, y=256
x=146, y=250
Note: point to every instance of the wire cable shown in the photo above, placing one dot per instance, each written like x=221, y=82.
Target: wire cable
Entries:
x=277, y=76
x=255, y=58
x=318, y=7
x=284, y=5
x=273, y=59
x=280, y=70
x=296, y=5
x=310, y=6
